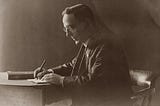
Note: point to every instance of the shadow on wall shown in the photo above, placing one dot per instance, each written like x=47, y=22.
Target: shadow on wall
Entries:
x=133, y=22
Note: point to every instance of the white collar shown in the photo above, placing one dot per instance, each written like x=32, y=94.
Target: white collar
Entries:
x=86, y=43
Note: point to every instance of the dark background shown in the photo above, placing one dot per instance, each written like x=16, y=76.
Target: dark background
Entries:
x=31, y=30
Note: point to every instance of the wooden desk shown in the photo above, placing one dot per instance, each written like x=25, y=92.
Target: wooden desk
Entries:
x=25, y=93
x=21, y=93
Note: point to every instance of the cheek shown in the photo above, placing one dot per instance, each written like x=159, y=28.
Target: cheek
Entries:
x=75, y=32
x=81, y=29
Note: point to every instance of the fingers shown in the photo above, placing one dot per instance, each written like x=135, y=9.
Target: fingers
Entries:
x=47, y=77
x=53, y=78
x=41, y=74
x=37, y=71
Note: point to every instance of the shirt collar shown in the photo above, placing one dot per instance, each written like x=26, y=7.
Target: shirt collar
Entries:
x=86, y=43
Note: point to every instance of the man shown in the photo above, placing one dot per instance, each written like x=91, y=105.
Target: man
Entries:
x=98, y=75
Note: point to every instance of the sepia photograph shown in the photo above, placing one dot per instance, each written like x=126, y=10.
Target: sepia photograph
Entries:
x=79, y=52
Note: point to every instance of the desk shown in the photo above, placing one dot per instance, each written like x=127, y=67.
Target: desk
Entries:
x=25, y=93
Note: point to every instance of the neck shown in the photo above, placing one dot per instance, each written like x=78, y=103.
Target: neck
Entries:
x=89, y=34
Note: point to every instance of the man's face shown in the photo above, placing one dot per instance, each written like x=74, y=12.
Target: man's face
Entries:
x=73, y=28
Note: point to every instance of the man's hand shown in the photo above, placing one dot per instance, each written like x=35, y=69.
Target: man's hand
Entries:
x=39, y=73
x=53, y=78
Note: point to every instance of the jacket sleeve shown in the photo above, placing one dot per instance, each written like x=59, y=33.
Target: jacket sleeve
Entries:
x=65, y=69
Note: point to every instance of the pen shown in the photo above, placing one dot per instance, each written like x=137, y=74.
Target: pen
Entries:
x=40, y=69
x=42, y=65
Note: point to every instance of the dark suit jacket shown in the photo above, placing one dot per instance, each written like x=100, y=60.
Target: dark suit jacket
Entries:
x=99, y=75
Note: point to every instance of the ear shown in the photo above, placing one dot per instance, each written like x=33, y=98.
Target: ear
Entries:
x=86, y=24
x=89, y=23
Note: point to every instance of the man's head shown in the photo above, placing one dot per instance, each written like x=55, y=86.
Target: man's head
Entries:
x=77, y=20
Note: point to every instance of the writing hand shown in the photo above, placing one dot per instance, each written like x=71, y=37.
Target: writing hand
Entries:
x=53, y=78
x=40, y=72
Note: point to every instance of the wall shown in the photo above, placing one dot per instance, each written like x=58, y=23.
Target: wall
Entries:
x=133, y=22
x=137, y=23
x=30, y=31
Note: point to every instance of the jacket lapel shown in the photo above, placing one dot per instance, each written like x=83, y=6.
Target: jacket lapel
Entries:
x=79, y=61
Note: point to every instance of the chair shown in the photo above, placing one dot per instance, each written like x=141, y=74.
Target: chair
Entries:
x=143, y=86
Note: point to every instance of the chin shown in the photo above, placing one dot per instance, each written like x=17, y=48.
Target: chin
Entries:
x=76, y=41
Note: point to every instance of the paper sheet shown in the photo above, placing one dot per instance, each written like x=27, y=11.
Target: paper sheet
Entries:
x=37, y=81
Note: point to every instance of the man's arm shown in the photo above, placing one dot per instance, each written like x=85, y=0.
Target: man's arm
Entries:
x=83, y=78
x=108, y=65
x=65, y=69
x=95, y=72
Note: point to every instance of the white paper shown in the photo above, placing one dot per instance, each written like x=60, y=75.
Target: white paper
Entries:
x=38, y=81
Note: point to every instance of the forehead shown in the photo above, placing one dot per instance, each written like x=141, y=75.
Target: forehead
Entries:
x=68, y=19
